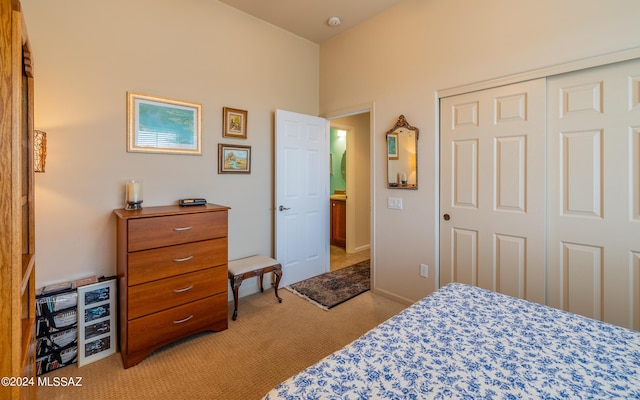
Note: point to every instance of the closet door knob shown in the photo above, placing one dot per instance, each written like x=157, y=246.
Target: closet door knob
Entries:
x=446, y=217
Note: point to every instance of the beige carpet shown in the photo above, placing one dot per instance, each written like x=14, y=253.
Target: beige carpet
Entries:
x=268, y=343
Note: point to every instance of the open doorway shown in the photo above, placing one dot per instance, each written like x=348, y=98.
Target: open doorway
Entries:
x=350, y=215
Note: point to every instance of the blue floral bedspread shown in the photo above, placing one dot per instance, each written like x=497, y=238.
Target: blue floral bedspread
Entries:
x=463, y=342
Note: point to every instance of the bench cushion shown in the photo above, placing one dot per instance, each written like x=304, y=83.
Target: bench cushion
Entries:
x=243, y=265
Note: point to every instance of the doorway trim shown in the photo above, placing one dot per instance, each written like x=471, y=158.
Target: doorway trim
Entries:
x=350, y=217
x=347, y=112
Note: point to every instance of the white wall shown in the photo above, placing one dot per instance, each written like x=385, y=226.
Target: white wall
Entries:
x=89, y=54
x=400, y=59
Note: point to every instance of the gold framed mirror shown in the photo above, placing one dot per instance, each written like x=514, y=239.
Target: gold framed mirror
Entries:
x=402, y=155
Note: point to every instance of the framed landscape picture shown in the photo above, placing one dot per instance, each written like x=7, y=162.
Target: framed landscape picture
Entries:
x=234, y=159
x=160, y=125
x=96, y=321
x=234, y=123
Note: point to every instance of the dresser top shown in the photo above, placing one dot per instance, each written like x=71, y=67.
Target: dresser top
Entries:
x=158, y=211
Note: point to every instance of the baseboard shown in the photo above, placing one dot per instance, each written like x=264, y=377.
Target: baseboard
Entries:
x=394, y=297
x=362, y=248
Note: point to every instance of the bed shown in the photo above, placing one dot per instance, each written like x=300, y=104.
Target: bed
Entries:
x=464, y=342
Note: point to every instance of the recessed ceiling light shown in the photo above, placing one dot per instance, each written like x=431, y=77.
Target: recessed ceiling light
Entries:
x=334, y=21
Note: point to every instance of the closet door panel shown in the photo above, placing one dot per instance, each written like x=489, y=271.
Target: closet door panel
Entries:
x=593, y=192
x=492, y=189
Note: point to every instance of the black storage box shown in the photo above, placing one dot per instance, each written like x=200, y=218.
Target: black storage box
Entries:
x=56, y=327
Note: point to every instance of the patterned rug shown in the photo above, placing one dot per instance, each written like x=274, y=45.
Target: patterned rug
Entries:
x=333, y=288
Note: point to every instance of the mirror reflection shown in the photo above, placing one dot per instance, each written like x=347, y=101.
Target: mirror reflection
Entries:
x=402, y=155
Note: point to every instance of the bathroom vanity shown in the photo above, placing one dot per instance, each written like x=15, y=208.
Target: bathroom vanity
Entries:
x=338, y=220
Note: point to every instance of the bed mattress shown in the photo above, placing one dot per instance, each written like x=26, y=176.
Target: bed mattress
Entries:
x=466, y=342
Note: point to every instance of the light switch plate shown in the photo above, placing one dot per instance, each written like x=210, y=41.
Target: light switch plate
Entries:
x=394, y=203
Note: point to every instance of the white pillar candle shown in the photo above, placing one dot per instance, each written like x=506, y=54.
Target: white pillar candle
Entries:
x=133, y=191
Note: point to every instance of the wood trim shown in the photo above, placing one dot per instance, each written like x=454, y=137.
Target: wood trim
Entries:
x=6, y=195
x=17, y=221
x=158, y=211
x=31, y=208
x=15, y=302
x=28, y=263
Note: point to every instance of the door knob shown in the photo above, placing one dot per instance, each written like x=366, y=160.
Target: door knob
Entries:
x=446, y=217
x=283, y=208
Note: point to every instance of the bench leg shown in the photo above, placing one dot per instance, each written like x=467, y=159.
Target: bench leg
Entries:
x=236, y=282
x=278, y=274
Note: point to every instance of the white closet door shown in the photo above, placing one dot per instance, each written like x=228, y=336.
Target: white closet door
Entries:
x=492, y=194
x=594, y=193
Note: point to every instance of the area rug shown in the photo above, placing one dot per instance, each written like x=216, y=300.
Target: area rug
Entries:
x=333, y=288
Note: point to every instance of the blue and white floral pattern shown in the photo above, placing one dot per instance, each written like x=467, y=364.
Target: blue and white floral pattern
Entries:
x=463, y=342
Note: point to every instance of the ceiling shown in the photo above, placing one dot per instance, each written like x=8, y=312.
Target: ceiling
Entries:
x=308, y=18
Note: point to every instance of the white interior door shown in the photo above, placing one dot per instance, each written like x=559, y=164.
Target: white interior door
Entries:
x=594, y=196
x=492, y=198
x=302, y=195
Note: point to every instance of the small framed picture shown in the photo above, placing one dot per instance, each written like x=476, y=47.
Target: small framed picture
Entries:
x=96, y=321
x=234, y=159
x=392, y=146
x=234, y=123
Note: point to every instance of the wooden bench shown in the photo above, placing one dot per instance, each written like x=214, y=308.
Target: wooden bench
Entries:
x=249, y=267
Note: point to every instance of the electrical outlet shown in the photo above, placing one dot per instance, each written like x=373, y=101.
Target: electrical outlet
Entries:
x=424, y=270
x=394, y=203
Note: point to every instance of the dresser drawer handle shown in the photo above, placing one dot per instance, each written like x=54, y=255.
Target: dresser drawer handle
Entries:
x=182, y=259
x=183, y=289
x=186, y=228
x=183, y=320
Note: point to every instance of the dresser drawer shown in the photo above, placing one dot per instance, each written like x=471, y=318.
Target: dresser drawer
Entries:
x=166, y=293
x=153, y=232
x=150, y=265
x=176, y=322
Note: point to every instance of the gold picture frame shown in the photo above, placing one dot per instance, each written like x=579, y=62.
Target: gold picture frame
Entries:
x=161, y=125
x=234, y=159
x=234, y=123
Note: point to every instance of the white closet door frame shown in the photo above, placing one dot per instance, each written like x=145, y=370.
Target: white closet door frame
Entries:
x=630, y=315
x=597, y=61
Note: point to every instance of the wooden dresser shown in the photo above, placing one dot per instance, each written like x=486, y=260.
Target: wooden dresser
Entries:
x=172, y=275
